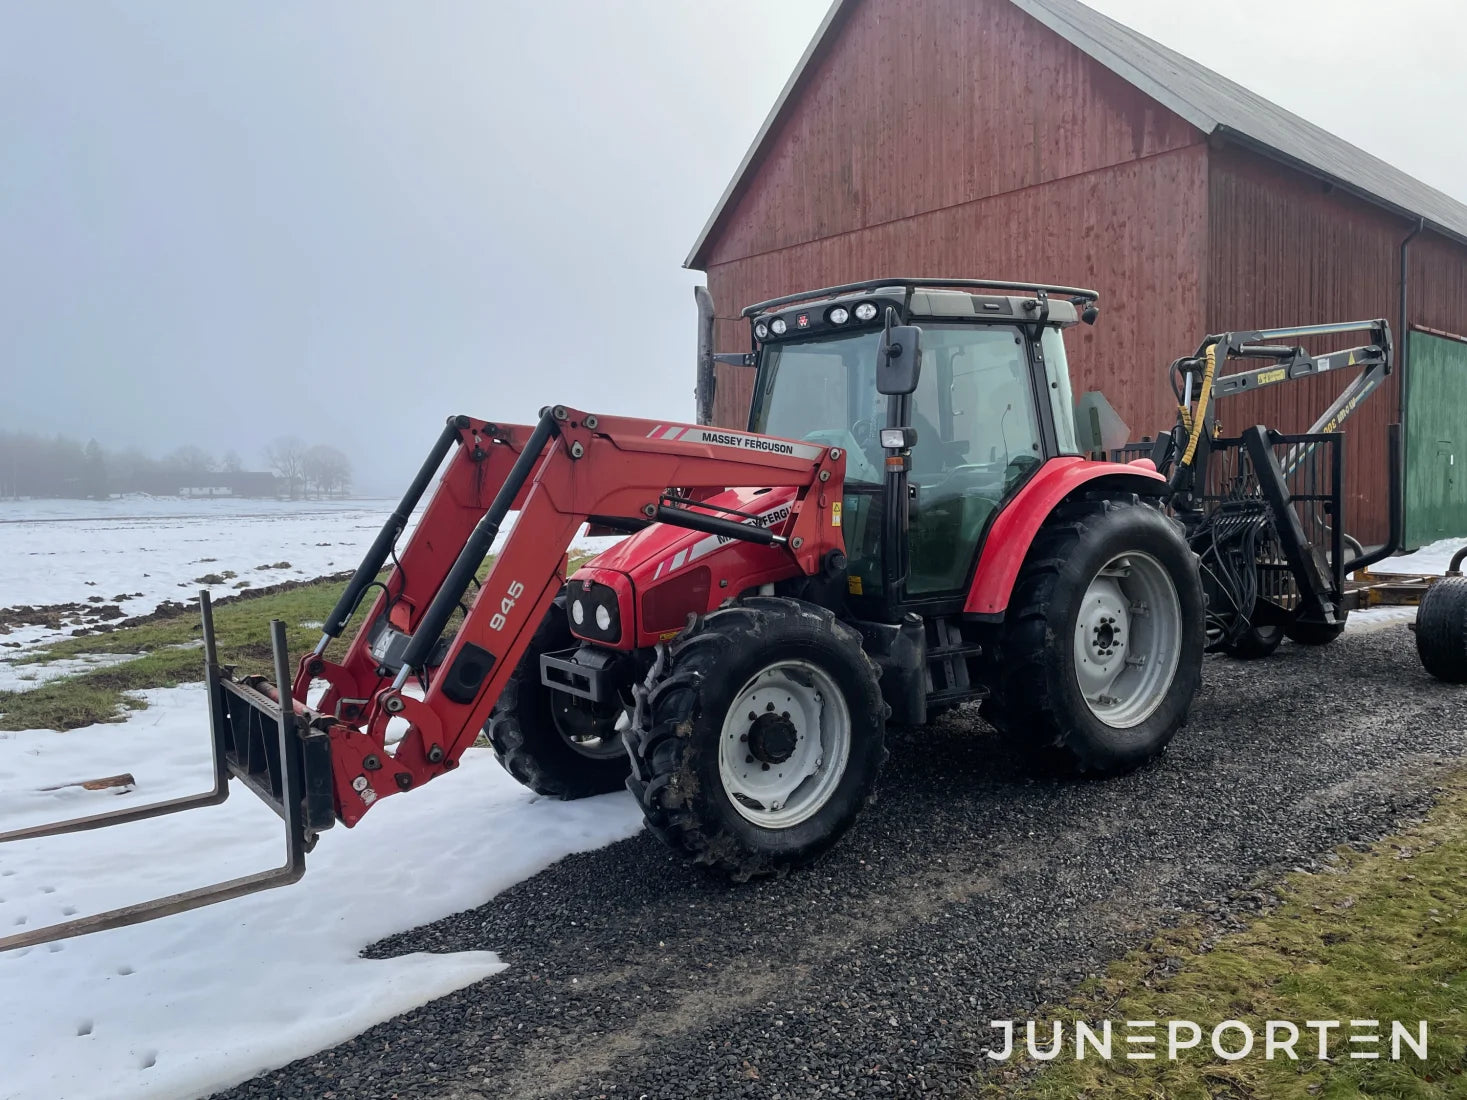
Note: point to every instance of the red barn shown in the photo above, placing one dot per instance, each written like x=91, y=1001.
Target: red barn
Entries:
x=1040, y=140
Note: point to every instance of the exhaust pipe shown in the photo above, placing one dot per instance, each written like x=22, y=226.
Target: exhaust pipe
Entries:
x=707, y=378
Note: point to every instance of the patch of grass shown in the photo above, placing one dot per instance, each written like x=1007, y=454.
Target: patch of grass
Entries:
x=1381, y=936
x=169, y=654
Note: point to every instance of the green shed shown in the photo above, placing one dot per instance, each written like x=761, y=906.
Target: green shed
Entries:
x=1436, y=436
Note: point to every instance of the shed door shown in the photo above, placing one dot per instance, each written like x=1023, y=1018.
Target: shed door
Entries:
x=1436, y=434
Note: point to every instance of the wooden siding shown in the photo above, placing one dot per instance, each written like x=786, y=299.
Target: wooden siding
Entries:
x=1134, y=231
x=920, y=106
x=1285, y=250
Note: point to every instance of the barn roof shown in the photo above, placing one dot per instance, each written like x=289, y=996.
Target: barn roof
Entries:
x=1210, y=102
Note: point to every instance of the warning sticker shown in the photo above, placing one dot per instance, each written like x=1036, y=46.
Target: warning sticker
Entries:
x=835, y=514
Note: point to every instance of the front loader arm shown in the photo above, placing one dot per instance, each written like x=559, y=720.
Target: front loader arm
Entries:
x=571, y=466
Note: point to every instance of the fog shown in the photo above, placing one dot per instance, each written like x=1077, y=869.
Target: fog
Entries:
x=222, y=223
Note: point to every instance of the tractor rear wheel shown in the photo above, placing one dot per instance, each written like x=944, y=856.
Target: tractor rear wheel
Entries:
x=760, y=737
x=555, y=743
x=1102, y=649
x=1441, y=630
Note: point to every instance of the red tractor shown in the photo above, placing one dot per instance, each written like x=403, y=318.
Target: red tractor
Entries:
x=909, y=523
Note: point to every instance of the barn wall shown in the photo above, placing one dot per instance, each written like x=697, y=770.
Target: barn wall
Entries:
x=1134, y=231
x=920, y=105
x=1284, y=251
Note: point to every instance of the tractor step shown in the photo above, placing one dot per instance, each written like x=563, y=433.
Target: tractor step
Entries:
x=270, y=749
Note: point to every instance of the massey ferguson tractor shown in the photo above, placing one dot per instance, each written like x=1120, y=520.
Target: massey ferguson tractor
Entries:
x=912, y=521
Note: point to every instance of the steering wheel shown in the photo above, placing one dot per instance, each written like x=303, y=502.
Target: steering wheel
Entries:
x=863, y=431
x=859, y=464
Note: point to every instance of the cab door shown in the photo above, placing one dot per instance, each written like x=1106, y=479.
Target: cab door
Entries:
x=979, y=437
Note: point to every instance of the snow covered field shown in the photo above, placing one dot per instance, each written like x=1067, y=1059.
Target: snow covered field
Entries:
x=136, y=552
x=199, y=1001
x=150, y=549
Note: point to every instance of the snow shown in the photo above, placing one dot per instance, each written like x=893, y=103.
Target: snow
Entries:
x=151, y=549
x=1429, y=561
x=196, y=1002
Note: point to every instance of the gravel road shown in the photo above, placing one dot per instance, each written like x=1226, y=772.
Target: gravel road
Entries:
x=969, y=892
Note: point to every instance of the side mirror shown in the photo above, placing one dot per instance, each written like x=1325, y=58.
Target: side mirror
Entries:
x=900, y=359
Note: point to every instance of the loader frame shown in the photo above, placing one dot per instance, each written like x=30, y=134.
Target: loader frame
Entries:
x=314, y=765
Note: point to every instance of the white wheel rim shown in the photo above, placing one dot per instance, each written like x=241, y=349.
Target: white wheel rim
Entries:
x=1128, y=639
x=785, y=743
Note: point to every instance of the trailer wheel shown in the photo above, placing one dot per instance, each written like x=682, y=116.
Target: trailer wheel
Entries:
x=553, y=742
x=1441, y=630
x=1103, y=643
x=1256, y=642
x=760, y=737
x=1315, y=633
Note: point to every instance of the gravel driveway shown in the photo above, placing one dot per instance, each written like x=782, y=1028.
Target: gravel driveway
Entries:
x=968, y=892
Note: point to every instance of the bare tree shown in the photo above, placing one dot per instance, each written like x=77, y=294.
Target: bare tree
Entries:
x=231, y=463
x=327, y=469
x=287, y=457
x=192, y=462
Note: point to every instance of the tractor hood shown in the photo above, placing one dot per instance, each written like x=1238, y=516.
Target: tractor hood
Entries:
x=663, y=574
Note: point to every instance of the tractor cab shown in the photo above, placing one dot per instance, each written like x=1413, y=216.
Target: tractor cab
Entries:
x=927, y=470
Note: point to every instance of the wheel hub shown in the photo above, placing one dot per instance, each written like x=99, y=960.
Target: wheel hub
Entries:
x=784, y=744
x=1127, y=638
x=772, y=737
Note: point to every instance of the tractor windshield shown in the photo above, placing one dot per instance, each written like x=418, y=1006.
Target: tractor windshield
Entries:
x=824, y=391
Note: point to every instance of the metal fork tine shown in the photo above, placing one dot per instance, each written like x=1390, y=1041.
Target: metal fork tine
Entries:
x=292, y=805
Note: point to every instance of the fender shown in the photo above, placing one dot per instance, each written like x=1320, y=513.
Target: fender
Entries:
x=1013, y=531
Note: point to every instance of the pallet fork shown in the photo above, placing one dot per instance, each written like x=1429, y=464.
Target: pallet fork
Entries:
x=316, y=765
x=255, y=740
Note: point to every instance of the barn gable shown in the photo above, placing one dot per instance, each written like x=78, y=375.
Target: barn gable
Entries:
x=947, y=54
x=897, y=108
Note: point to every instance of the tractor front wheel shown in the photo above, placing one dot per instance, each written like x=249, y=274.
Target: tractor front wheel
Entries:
x=555, y=743
x=760, y=737
x=1102, y=648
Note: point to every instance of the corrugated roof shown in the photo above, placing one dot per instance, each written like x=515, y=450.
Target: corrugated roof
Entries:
x=1207, y=100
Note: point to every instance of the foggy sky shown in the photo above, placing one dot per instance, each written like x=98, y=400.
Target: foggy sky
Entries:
x=345, y=220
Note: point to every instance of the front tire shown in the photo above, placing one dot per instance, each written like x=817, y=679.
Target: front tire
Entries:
x=760, y=737
x=553, y=742
x=1102, y=649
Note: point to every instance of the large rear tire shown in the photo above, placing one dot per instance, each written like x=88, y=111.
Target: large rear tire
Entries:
x=760, y=737
x=1102, y=648
x=551, y=741
x=1441, y=630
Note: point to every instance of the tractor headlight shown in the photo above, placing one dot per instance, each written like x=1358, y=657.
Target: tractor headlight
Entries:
x=865, y=311
x=761, y=330
x=839, y=315
x=595, y=612
x=778, y=326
